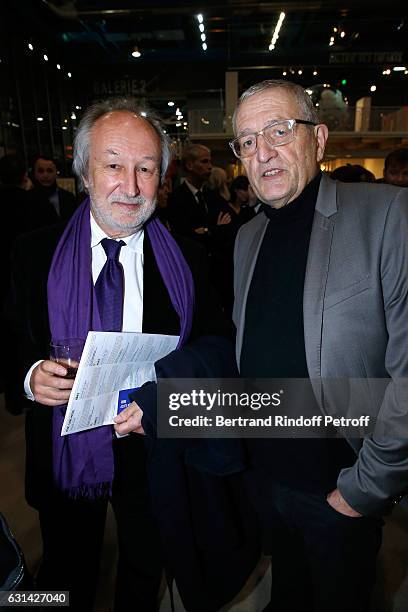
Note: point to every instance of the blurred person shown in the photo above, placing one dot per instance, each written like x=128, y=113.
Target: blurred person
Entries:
x=218, y=187
x=319, y=297
x=13, y=200
x=49, y=203
x=396, y=168
x=190, y=209
x=223, y=261
x=352, y=173
x=163, y=193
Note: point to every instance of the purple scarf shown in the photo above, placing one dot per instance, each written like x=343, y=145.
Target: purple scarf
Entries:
x=83, y=462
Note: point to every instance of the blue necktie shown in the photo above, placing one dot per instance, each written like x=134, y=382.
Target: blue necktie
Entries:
x=109, y=287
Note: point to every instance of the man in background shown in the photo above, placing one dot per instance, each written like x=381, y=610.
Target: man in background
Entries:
x=396, y=168
x=49, y=203
x=190, y=208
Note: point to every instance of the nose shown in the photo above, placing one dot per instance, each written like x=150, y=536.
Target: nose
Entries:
x=130, y=184
x=264, y=151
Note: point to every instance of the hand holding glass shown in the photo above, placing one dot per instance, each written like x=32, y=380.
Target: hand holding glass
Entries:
x=68, y=354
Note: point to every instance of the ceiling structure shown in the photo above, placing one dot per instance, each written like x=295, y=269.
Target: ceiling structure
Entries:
x=99, y=35
x=345, y=43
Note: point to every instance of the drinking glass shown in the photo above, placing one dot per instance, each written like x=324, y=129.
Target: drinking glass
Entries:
x=68, y=353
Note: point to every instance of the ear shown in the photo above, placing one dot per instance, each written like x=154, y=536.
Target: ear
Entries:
x=321, y=133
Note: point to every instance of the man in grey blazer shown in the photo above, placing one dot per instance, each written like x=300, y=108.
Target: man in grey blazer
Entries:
x=321, y=292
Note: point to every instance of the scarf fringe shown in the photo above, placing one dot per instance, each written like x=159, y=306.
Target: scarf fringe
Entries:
x=100, y=490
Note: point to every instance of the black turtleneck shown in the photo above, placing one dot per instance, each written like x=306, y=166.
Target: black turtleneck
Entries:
x=274, y=346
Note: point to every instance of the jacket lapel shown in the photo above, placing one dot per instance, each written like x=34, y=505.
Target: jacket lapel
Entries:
x=316, y=273
x=243, y=277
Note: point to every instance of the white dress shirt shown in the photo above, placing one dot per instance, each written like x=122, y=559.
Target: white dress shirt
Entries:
x=131, y=258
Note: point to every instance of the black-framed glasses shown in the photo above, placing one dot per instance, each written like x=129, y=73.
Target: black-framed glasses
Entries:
x=276, y=133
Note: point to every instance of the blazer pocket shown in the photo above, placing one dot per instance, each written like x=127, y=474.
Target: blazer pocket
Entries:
x=347, y=292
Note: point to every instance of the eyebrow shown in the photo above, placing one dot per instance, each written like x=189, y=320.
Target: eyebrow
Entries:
x=249, y=131
x=110, y=152
x=145, y=157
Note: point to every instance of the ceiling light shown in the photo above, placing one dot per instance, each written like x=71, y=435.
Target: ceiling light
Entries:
x=399, y=68
x=170, y=103
x=144, y=114
x=284, y=73
x=387, y=71
x=275, y=34
x=64, y=127
x=178, y=124
x=40, y=118
x=201, y=27
x=30, y=46
x=334, y=29
x=69, y=75
x=309, y=91
x=58, y=66
x=314, y=72
x=45, y=57
x=342, y=34
x=203, y=37
x=200, y=18
x=136, y=52
x=373, y=87
x=204, y=46
x=73, y=116
x=300, y=71
x=185, y=123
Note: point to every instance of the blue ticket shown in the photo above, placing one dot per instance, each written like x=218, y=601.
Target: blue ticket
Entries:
x=123, y=400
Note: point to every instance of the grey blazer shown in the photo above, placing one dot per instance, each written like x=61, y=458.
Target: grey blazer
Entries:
x=355, y=309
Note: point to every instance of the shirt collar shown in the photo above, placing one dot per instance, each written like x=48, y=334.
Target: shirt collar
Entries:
x=191, y=187
x=134, y=241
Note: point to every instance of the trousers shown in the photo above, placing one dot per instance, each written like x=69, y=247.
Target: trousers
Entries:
x=72, y=532
x=321, y=560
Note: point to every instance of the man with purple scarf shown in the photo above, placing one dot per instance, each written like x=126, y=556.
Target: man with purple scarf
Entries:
x=113, y=268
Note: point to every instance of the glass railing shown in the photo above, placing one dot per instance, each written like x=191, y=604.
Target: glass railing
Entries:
x=344, y=119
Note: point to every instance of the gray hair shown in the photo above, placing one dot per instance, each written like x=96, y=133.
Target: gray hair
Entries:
x=302, y=98
x=97, y=110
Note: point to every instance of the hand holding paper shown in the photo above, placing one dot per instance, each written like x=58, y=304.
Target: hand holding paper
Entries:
x=111, y=363
x=129, y=420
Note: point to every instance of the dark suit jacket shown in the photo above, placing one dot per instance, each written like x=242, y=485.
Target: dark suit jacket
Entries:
x=43, y=214
x=184, y=212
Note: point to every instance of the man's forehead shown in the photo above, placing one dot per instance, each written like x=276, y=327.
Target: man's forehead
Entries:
x=203, y=152
x=398, y=167
x=44, y=162
x=122, y=128
x=276, y=101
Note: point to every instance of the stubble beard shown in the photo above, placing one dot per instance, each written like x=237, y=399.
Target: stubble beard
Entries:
x=130, y=221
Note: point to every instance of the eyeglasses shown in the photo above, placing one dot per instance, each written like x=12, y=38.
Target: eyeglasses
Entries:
x=276, y=133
